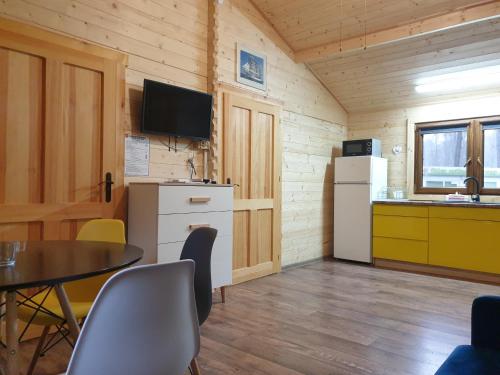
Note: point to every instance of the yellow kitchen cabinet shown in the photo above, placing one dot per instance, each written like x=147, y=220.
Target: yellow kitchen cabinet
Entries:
x=400, y=210
x=465, y=244
x=400, y=249
x=464, y=213
x=400, y=232
x=410, y=228
x=458, y=238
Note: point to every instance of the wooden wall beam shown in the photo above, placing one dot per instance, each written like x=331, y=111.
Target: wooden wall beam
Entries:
x=478, y=12
x=213, y=88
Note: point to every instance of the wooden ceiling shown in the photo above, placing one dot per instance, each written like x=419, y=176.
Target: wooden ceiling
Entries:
x=310, y=23
x=384, y=76
x=369, y=57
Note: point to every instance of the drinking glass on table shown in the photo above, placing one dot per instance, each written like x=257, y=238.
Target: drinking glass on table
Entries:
x=8, y=252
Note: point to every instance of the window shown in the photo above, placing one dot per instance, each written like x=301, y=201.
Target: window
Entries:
x=491, y=156
x=448, y=152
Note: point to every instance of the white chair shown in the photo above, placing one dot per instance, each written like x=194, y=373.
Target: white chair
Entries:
x=143, y=322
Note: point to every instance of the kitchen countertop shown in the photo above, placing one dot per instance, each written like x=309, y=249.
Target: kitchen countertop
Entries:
x=414, y=202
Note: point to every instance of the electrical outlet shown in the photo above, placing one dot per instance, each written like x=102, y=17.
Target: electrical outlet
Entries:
x=204, y=145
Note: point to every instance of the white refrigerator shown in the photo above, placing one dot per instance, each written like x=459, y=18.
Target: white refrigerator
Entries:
x=358, y=181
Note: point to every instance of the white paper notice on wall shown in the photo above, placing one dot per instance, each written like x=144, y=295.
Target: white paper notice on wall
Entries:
x=136, y=156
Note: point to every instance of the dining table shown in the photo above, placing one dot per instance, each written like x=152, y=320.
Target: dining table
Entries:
x=52, y=263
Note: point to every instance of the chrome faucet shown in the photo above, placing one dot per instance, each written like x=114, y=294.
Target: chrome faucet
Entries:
x=475, y=193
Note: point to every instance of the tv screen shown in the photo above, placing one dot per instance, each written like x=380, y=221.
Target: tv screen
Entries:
x=175, y=111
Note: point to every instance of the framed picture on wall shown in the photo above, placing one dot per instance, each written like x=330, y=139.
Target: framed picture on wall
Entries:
x=251, y=68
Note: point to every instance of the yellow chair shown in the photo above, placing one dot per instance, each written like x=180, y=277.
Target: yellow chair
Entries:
x=81, y=293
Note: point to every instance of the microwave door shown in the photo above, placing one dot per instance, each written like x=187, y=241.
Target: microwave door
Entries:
x=353, y=149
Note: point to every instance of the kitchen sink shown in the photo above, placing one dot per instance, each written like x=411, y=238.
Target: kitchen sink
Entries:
x=469, y=203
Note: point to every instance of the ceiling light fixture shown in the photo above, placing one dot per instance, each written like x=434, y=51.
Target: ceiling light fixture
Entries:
x=465, y=80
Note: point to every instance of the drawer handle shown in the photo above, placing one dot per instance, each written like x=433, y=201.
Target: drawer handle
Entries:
x=196, y=226
x=199, y=199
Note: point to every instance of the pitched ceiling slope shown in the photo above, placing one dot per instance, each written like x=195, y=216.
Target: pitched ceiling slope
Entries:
x=406, y=39
x=384, y=76
x=310, y=23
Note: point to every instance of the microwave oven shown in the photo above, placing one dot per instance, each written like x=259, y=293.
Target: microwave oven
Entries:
x=362, y=147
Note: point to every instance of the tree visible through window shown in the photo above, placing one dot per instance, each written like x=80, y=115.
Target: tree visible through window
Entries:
x=448, y=152
x=444, y=157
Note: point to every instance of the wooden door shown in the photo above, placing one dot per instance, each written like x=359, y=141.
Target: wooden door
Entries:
x=60, y=105
x=252, y=162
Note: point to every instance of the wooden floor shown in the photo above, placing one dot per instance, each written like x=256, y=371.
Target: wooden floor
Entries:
x=330, y=318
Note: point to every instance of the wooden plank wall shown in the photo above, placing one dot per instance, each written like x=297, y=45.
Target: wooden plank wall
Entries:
x=313, y=126
x=166, y=41
x=390, y=126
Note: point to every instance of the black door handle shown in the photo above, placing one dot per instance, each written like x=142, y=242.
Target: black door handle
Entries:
x=109, y=182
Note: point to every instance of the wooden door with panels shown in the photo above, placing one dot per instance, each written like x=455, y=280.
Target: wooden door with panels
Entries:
x=60, y=134
x=252, y=162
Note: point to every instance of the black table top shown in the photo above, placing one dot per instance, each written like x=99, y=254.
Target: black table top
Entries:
x=53, y=262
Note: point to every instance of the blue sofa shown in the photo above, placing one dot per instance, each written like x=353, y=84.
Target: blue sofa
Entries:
x=482, y=357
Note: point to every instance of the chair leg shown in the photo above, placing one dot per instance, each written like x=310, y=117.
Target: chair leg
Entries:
x=194, y=367
x=223, y=293
x=38, y=350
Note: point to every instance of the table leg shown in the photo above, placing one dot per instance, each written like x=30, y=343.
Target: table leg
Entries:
x=11, y=334
x=3, y=302
x=74, y=328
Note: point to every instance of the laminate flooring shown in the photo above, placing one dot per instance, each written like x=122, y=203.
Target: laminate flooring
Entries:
x=328, y=317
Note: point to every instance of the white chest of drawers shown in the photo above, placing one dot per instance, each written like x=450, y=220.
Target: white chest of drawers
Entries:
x=161, y=216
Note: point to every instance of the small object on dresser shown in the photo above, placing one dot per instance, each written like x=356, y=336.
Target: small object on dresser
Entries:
x=177, y=180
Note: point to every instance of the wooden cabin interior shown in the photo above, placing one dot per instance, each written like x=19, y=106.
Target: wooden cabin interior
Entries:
x=250, y=187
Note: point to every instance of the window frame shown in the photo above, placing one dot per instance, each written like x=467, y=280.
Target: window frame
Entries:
x=475, y=154
x=419, y=155
x=480, y=124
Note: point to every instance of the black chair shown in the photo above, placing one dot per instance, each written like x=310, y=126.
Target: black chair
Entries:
x=482, y=357
x=198, y=247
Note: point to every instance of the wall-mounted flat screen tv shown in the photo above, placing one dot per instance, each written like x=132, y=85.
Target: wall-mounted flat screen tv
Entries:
x=175, y=111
